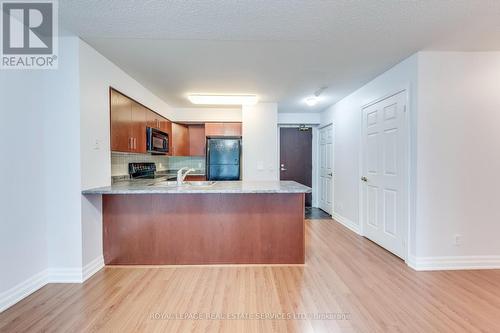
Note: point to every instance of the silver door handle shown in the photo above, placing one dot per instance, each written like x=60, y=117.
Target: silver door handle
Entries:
x=364, y=179
x=283, y=169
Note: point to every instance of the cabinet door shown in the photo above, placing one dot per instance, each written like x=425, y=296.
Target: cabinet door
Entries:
x=138, y=128
x=232, y=129
x=195, y=178
x=197, y=140
x=180, y=140
x=223, y=129
x=153, y=119
x=214, y=129
x=121, y=118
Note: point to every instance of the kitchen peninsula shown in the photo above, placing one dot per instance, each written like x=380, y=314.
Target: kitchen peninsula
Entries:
x=228, y=222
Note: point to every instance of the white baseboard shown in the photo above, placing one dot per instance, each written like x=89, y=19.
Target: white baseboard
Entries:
x=22, y=290
x=346, y=223
x=51, y=275
x=92, y=267
x=454, y=263
x=64, y=275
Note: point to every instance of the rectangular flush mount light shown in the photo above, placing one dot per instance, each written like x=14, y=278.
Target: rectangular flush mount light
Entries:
x=223, y=99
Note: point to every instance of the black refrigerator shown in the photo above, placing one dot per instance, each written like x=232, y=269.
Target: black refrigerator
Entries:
x=223, y=158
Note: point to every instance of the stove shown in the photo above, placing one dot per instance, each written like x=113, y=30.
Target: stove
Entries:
x=143, y=170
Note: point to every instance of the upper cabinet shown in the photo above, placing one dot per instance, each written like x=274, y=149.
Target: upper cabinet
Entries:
x=121, y=118
x=128, y=124
x=129, y=120
x=223, y=129
x=180, y=140
x=154, y=120
x=138, y=127
x=197, y=140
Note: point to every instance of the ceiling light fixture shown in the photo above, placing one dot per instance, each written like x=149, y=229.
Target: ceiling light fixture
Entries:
x=208, y=99
x=313, y=100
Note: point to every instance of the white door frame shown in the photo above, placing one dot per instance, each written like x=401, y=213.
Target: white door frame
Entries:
x=408, y=190
x=314, y=153
x=317, y=173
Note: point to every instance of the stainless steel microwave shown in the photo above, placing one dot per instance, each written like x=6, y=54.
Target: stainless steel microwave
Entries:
x=156, y=141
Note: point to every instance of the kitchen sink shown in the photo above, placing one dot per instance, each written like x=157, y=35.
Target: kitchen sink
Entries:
x=185, y=184
x=164, y=184
x=199, y=183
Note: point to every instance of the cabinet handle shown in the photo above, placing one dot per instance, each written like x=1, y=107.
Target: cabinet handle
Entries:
x=129, y=143
x=135, y=143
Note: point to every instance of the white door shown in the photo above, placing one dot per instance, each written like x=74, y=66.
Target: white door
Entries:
x=384, y=178
x=326, y=168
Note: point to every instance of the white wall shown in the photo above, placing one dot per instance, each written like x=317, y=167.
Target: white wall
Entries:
x=201, y=114
x=458, y=154
x=260, y=142
x=40, y=227
x=346, y=114
x=299, y=118
x=62, y=161
x=23, y=245
x=97, y=74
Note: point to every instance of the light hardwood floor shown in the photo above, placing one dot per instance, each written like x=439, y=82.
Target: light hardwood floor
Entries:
x=362, y=286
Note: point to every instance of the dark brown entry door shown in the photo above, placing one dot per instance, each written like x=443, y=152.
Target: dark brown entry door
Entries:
x=296, y=157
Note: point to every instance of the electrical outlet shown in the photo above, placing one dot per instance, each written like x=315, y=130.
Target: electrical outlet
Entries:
x=457, y=240
x=97, y=144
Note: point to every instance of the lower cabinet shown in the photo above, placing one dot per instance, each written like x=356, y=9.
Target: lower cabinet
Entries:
x=196, y=178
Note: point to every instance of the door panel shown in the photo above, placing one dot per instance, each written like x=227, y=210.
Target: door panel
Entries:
x=180, y=140
x=138, y=128
x=296, y=157
x=197, y=140
x=326, y=171
x=384, y=159
x=121, y=122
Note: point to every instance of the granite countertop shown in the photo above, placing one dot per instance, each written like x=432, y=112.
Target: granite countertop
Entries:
x=162, y=174
x=158, y=187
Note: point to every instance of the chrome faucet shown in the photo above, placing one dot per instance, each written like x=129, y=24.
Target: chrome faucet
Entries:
x=181, y=176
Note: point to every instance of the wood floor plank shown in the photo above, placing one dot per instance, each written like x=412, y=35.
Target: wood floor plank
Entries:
x=345, y=274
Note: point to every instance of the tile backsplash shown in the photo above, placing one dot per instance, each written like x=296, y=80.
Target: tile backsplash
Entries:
x=120, y=161
x=195, y=162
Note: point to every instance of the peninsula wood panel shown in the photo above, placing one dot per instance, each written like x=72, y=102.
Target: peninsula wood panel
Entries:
x=164, y=229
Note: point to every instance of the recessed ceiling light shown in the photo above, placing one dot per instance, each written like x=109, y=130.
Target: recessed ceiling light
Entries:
x=312, y=101
x=222, y=99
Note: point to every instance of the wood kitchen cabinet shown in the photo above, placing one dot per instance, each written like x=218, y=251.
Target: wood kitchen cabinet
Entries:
x=223, y=129
x=154, y=120
x=138, y=128
x=195, y=178
x=197, y=140
x=166, y=126
x=128, y=124
x=180, y=140
x=121, y=117
x=129, y=120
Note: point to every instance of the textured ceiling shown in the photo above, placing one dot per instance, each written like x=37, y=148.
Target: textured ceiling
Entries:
x=281, y=50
